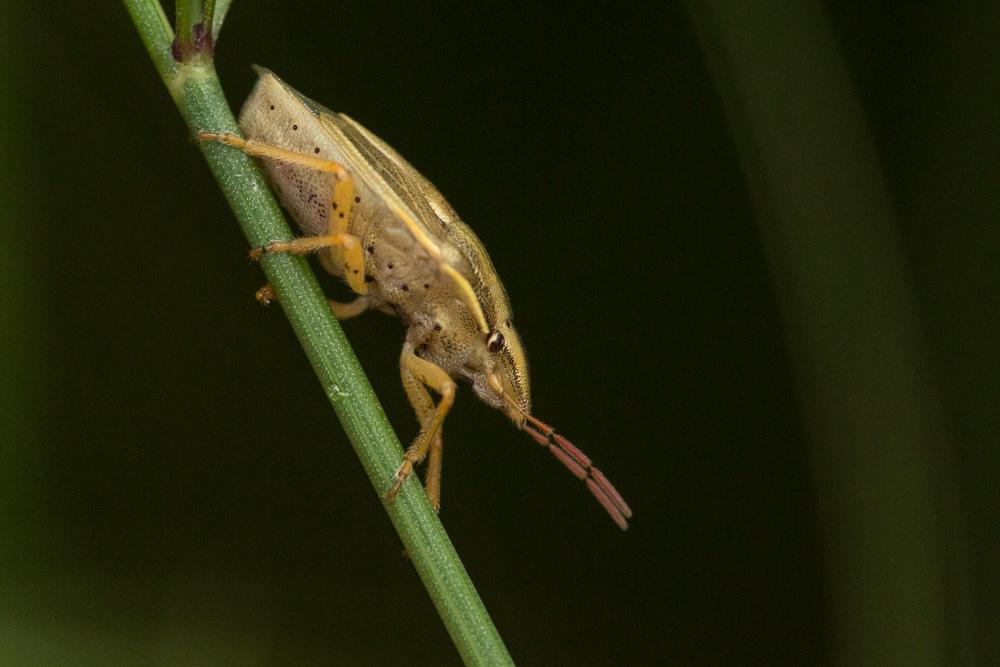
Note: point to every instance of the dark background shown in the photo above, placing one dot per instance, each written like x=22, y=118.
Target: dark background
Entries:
x=175, y=487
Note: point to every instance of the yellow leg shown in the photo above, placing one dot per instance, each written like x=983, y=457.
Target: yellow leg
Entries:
x=341, y=202
x=345, y=311
x=306, y=244
x=342, y=311
x=432, y=480
x=417, y=375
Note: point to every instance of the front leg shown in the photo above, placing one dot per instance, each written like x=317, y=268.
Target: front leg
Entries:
x=418, y=375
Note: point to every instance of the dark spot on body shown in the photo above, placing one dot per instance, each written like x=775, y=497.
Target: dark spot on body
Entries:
x=357, y=200
x=272, y=107
x=295, y=127
x=369, y=278
x=341, y=215
x=316, y=150
x=404, y=287
x=371, y=249
x=390, y=266
x=356, y=271
x=427, y=285
x=334, y=206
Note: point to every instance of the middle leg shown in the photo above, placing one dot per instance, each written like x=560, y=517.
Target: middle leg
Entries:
x=342, y=311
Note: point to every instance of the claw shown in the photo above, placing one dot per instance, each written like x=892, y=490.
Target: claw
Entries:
x=260, y=250
x=401, y=476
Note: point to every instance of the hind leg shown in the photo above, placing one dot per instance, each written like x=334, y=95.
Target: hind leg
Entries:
x=341, y=202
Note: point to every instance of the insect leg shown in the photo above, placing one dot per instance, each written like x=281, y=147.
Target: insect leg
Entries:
x=307, y=244
x=418, y=375
x=423, y=405
x=342, y=311
x=353, y=258
x=340, y=206
x=432, y=480
x=345, y=311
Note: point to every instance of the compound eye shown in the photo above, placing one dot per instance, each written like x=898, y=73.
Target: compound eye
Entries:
x=494, y=342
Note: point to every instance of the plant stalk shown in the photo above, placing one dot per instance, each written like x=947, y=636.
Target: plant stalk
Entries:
x=195, y=88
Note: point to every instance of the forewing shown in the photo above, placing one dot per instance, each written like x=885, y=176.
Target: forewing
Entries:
x=385, y=166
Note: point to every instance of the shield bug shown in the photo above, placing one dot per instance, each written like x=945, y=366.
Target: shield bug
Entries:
x=376, y=222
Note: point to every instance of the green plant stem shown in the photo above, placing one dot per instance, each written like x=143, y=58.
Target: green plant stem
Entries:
x=208, y=12
x=195, y=88
x=182, y=11
x=221, y=8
